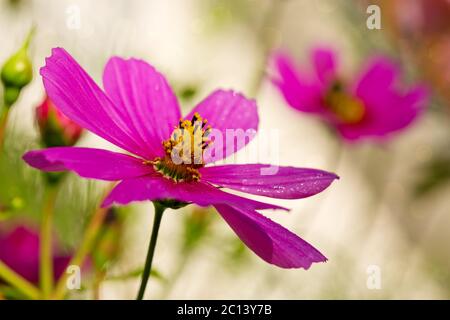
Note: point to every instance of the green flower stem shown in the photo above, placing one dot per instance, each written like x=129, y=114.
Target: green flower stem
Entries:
x=46, y=255
x=18, y=282
x=267, y=37
x=30, y=35
x=4, y=113
x=85, y=248
x=159, y=210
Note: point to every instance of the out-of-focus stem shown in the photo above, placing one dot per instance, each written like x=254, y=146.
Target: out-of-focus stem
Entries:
x=99, y=277
x=4, y=113
x=267, y=37
x=46, y=255
x=30, y=35
x=159, y=210
x=87, y=243
x=18, y=282
x=83, y=251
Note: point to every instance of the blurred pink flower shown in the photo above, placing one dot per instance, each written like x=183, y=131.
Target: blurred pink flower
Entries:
x=373, y=104
x=19, y=249
x=421, y=17
x=56, y=129
x=139, y=112
x=421, y=30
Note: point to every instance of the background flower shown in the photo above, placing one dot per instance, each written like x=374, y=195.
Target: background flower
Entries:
x=19, y=249
x=218, y=44
x=373, y=104
x=55, y=128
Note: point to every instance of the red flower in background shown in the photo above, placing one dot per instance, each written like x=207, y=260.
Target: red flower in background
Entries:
x=56, y=129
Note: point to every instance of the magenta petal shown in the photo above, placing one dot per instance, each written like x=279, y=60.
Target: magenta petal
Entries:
x=265, y=180
x=159, y=188
x=269, y=240
x=389, y=107
x=394, y=113
x=375, y=85
x=303, y=95
x=88, y=163
x=144, y=100
x=324, y=61
x=412, y=104
x=228, y=113
x=75, y=94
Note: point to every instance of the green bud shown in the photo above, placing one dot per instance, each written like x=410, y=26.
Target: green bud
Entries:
x=17, y=72
x=10, y=95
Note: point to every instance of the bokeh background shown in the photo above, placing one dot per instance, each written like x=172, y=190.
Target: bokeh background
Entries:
x=390, y=208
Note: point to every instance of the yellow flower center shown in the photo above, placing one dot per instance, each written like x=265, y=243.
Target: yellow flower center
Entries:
x=346, y=107
x=184, y=150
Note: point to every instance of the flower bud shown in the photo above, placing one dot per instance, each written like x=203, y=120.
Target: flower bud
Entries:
x=10, y=95
x=56, y=129
x=16, y=73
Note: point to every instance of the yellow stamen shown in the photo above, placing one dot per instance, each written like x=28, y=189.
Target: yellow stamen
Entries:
x=346, y=107
x=184, y=150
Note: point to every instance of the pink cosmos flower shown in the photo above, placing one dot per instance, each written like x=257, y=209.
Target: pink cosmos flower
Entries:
x=373, y=104
x=19, y=250
x=56, y=129
x=139, y=112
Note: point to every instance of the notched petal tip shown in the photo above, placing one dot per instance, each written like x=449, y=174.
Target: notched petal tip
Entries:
x=57, y=50
x=56, y=53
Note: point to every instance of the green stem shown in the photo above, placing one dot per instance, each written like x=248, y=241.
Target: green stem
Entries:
x=30, y=35
x=18, y=282
x=267, y=37
x=87, y=243
x=159, y=210
x=83, y=251
x=46, y=256
x=4, y=113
